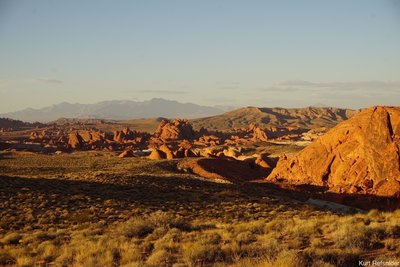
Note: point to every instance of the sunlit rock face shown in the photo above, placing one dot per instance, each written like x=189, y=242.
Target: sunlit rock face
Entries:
x=174, y=130
x=360, y=155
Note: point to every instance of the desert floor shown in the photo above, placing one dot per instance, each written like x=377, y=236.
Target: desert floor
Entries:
x=92, y=209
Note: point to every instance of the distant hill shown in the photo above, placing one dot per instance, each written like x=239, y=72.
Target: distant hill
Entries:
x=8, y=124
x=115, y=110
x=310, y=117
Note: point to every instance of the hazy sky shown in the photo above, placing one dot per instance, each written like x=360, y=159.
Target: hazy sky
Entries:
x=263, y=53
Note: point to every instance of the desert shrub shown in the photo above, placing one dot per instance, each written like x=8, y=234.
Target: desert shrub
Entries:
x=115, y=254
x=317, y=243
x=235, y=252
x=130, y=253
x=11, y=239
x=79, y=217
x=375, y=215
x=392, y=245
x=246, y=262
x=297, y=243
x=198, y=253
x=284, y=259
x=92, y=255
x=48, y=251
x=392, y=230
x=93, y=165
x=158, y=221
x=334, y=257
x=256, y=250
x=25, y=261
x=277, y=226
x=6, y=259
x=272, y=247
x=45, y=236
x=160, y=258
x=66, y=257
x=169, y=241
x=232, y=252
x=157, y=233
x=355, y=236
x=164, y=219
x=305, y=229
x=246, y=237
x=255, y=227
x=146, y=247
x=320, y=263
x=136, y=227
x=301, y=232
x=212, y=238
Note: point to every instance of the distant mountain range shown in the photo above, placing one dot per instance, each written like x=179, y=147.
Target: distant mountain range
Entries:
x=116, y=110
x=212, y=118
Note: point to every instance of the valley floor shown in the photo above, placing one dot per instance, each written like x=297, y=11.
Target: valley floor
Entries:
x=91, y=209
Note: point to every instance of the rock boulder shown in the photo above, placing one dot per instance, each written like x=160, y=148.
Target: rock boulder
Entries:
x=360, y=155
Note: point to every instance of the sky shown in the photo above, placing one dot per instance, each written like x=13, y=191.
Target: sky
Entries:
x=212, y=52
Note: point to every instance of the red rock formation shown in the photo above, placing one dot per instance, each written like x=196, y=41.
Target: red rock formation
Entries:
x=167, y=151
x=126, y=154
x=266, y=162
x=231, y=152
x=156, y=154
x=86, y=136
x=75, y=140
x=127, y=136
x=258, y=133
x=124, y=135
x=360, y=155
x=188, y=153
x=208, y=140
x=98, y=136
x=175, y=130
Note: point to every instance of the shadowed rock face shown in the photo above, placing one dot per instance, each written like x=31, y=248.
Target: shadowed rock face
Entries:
x=360, y=155
x=234, y=171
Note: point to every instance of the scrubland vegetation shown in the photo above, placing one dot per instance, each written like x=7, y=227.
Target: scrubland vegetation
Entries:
x=91, y=210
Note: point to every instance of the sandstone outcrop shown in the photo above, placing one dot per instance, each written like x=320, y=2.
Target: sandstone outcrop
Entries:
x=126, y=154
x=208, y=140
x=175, y=130
x=258, y=133
x=167, y=151
x=266, y=162
x=156, y=154
x=231, y=152
x=360, y=155
x=75, y=140
x=128, y=136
